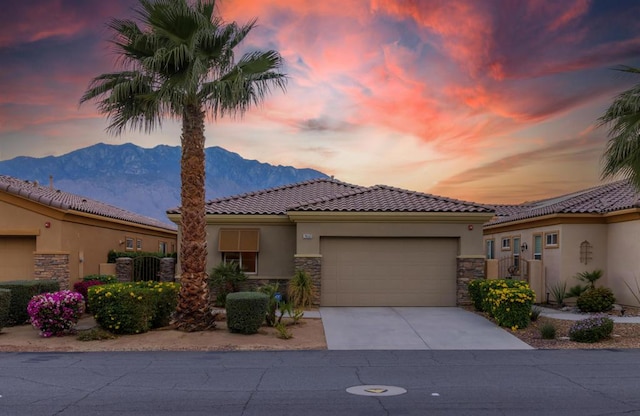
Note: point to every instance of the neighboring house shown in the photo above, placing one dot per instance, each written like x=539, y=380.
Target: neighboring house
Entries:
x=362, y=246
x=47, y=233
x=596, y=228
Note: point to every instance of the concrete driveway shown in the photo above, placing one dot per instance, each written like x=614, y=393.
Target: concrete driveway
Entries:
x=405, y=328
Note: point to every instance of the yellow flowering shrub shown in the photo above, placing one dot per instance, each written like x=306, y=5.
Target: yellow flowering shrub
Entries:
x=510, y=303
x=135, y=307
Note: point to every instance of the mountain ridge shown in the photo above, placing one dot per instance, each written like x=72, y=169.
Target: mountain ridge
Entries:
x=147, y=180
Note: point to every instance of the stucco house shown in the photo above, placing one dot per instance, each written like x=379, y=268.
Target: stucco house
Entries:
x=47, y=233
x=363, y=246
x=596, y=228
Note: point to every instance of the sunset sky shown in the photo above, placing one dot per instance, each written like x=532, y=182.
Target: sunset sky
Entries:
x=487, y=101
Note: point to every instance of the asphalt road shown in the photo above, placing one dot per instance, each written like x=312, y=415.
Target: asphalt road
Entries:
x=309, y=383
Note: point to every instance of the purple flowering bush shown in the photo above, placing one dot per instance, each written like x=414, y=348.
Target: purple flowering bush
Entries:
x=592, y=329
x=55, y=313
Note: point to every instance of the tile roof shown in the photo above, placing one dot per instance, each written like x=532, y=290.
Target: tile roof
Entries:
x=63, y=200
x=333, y=195
x=601, y=199
x=382, y=198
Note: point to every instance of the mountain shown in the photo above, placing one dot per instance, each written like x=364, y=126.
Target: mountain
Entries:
x=147, y=181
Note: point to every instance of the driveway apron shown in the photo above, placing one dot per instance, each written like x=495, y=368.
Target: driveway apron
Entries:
x=413, y=328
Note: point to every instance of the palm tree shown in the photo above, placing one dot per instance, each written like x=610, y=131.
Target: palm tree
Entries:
x=178, y=61
x=622, y=155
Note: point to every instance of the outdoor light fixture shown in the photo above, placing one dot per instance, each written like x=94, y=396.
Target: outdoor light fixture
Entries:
x=524, y=247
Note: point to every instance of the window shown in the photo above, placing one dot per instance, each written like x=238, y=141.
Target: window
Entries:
x=162, y=247
x=551, y=239
x=128, y=245
x=506, y=243
x=516, y=252
x=537, y=247
x=139, y=245
x=241, y=246
x=248, y=261
x=490, y=249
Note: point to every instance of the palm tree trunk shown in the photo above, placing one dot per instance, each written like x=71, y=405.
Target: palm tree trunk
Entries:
x=193, y=313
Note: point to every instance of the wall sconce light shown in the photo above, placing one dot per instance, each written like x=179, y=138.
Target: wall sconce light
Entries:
x=47, y=224
x=524, y=247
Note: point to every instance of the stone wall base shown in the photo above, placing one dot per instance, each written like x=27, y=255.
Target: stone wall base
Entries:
x=52, y=266
x=469, y=268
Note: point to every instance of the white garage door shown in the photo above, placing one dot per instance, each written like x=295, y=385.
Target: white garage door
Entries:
x=388, y=271
x=16, y=255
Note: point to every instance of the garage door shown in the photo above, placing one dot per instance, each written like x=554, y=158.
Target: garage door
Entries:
x=388, y=271
x=16, y=254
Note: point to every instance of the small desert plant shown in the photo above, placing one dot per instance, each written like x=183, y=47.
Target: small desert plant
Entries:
x=283, y=331
x=276, y=302
x=535, y=313
x=599, y=299
x=548, y=331
x=224, y=279
x=301, y=289
x=95, y=334
x=55, y=313
x=576, y=291
x=589, y=278
x=591, y=330
x=297, y=315
x=559, y=292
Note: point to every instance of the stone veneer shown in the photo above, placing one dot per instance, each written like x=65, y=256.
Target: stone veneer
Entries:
x=313, y=266
x=124, y=269
x=469, y=268
x=53, y=266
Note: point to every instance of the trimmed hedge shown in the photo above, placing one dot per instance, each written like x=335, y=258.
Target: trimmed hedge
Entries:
x=21, y=293
x=103, y=278
x=5, y=303
x=597, y=299
x=246, y=311
x=135, y=307
x=475, y=293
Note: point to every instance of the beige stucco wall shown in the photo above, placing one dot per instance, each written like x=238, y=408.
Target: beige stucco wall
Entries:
x=87, y=237
x=623, y=260
x=308, y=234
x=572, y=236
x=277, y=248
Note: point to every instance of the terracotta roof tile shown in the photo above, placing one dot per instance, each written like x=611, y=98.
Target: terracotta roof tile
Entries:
x=333, y=195
x=601, y=199
x=382, y=198
x=63, y=200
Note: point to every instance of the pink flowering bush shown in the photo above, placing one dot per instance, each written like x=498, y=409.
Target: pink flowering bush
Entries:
x=55, y=313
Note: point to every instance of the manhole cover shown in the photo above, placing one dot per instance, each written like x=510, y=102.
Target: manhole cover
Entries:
x=376, y=390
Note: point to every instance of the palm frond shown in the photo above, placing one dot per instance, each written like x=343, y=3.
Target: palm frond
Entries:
x=622, y=154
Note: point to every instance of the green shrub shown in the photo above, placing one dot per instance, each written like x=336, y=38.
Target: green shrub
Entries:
x=510, y=304
x=21, y=293
x=224, y=279
x=548, y=331
x=133, y=308
x=591, y=330
x=301, y=289
x=104, y=278
x=599, y=299
x=246, y=311
x=475, y=293
x=5, y=303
